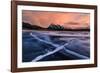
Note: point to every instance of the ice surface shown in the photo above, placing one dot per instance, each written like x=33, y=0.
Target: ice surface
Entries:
x=55, y=45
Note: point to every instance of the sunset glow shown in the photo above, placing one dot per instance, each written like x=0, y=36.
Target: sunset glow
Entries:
x=67, y=19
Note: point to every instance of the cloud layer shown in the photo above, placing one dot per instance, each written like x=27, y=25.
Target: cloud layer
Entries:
x=67, y=19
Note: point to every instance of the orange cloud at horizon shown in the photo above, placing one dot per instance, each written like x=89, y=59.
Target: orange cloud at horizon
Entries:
x=67, y=19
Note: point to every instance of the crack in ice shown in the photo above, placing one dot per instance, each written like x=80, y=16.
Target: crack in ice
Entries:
x=57, y=48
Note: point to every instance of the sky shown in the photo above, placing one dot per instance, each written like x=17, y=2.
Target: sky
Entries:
x=43, y=19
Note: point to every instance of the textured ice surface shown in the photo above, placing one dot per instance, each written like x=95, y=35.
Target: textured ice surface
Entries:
x=55, y=45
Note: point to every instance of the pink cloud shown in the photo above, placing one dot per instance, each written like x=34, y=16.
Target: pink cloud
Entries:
x=44, y=19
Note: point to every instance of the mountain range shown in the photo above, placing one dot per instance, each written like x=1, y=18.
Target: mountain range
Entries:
x=51, y=27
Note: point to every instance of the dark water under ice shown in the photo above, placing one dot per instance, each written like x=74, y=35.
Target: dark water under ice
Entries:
x=55, y=45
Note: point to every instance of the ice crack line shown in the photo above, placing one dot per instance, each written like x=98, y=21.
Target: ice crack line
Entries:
x=58, y=48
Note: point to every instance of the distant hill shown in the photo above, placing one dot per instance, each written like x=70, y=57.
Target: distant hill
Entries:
x=55, y=27
x=29, y=26
x=51, y=27
x=59, y=27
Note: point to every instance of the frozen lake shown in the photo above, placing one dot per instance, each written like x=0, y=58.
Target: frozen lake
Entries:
x=55, y=45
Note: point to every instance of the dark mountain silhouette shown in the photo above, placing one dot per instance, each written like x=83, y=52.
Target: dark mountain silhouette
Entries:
x=51, y=27
x=55, y=27
x=59, y=27
x=29, y=26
